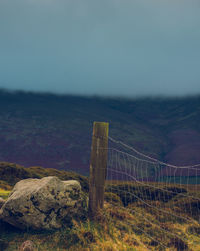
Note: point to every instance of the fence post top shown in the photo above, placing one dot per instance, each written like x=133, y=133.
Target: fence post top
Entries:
x=100, y=123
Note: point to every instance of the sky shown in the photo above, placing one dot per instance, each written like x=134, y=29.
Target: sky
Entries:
x=101, y=47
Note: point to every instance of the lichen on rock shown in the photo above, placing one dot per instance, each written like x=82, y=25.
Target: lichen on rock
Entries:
x=46, y=203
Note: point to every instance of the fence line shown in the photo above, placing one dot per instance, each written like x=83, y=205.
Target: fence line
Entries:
x=148, y=157
x=128, y=177
x=156, y=192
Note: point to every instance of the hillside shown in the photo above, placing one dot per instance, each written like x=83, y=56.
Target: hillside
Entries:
x=164, y=220
x=55, y=131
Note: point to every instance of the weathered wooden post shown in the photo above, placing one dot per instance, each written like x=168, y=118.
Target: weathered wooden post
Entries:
x=98, y=168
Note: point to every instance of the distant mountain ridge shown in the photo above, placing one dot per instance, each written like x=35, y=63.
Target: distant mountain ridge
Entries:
x=55, y=131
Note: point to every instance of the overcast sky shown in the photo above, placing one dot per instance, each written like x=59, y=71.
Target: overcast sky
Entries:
x=103, y=47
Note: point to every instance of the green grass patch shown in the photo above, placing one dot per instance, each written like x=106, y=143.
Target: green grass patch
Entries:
x=4, y=193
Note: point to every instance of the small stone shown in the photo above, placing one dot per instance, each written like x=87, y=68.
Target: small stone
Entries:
x=27, y=246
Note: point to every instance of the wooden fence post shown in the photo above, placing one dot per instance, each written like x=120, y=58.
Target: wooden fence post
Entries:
x=98, y=168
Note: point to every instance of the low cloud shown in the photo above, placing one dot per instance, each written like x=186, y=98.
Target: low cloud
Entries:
x=108, y=47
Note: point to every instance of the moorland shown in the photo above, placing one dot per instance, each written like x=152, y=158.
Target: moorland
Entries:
x=50, y=135
x=55, y=131
x=125, y=223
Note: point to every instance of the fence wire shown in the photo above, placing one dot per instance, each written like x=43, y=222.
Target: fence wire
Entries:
x=164, y=199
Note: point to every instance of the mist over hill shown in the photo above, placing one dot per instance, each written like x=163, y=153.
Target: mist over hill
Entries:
x=55, y=131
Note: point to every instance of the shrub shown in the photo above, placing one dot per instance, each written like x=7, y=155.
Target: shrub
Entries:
x=193, y=230
x=130, y=193
x=113, y=198
x=11, y=173
x=5, y=186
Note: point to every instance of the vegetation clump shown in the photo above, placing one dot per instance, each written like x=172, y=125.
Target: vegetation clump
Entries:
x=112, y=197
x=131, y=192
x=11, y=173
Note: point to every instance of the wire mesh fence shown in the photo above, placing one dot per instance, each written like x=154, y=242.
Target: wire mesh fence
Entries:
x=162, y=199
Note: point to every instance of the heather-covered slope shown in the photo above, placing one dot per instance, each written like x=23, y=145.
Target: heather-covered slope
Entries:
x=55, y=131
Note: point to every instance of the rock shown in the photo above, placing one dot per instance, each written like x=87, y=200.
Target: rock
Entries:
x=2, y=201
x=44, y=204
x=27, y=246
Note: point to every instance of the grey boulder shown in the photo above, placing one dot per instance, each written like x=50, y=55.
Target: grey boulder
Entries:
x=44, y=204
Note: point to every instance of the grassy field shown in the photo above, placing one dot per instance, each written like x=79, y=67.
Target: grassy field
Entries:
x=117, y=229
x=125, y=224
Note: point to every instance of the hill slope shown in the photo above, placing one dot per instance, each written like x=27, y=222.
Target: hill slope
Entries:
x=55, y=131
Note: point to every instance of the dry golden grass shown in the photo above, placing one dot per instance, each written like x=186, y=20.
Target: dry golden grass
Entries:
x=136, y=227
x=117, y=229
